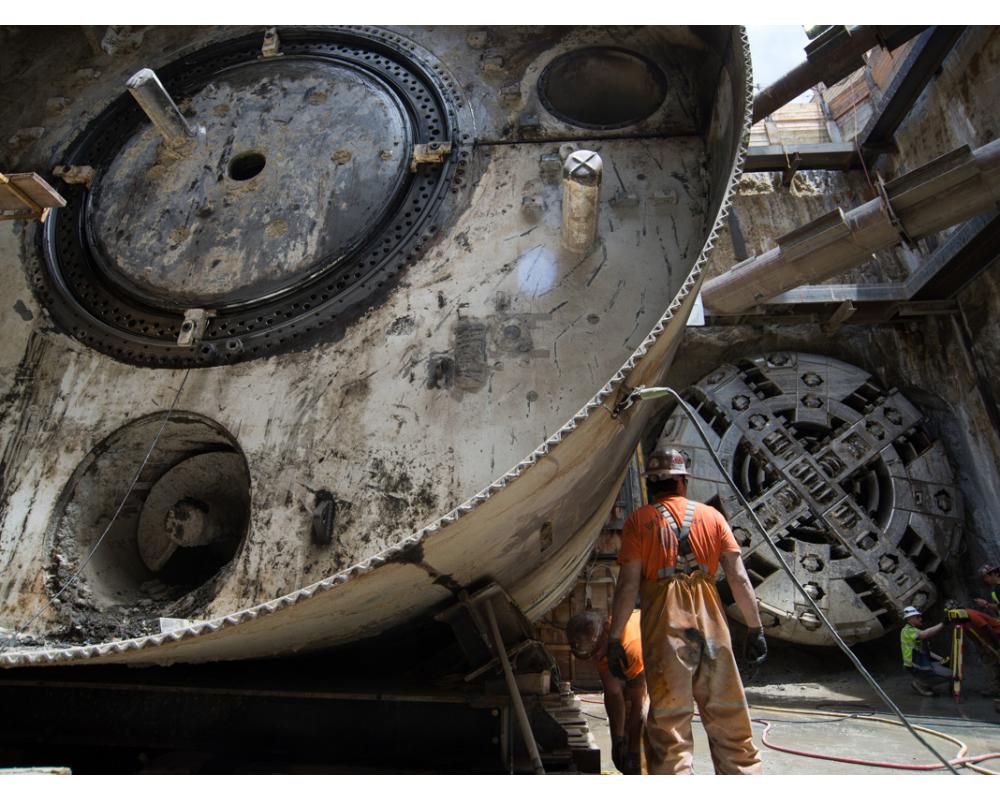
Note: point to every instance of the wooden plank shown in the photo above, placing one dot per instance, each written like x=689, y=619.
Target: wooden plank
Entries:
x=27, y=185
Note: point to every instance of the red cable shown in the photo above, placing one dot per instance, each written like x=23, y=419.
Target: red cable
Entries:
x=955, y=762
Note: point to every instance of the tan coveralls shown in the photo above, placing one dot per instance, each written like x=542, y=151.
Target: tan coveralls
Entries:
x=688, y=657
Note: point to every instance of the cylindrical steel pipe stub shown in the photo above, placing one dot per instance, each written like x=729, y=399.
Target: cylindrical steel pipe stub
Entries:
x=581, y=180
x=149, y=93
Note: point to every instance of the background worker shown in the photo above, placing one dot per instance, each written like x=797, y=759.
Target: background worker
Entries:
x=991, y=577
x=926, y=667
x=670, y=552
x=624, y=693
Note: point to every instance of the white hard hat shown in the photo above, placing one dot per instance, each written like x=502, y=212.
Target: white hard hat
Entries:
x=911, y=611
x=667, y=463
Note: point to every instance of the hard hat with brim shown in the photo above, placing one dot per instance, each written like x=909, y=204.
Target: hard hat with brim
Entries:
x=666, y=463
x=911, y=611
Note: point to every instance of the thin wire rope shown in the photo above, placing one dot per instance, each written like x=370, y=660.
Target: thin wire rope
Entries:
x=857, y=136
x=18, y=631
x=692, y=415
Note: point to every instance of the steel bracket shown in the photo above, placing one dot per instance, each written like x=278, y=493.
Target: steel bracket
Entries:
x=430, y=153
x=193, y=327
x=890, y=212
x=272, y=44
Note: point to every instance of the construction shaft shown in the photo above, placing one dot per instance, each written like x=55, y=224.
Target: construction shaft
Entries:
x=932, y=197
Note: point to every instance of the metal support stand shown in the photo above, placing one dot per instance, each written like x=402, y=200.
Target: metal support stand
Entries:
x=957, y=646
x=496, y=638
x=515, y=693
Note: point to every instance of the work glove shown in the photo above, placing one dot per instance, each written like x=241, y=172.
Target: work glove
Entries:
x=617, y=660
x=618, y=753
x=755, y=648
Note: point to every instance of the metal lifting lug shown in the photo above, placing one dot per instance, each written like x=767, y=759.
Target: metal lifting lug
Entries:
x=193, y=326
x=430, y=153
x=272, y=44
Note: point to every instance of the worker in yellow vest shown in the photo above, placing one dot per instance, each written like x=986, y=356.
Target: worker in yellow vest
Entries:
x=926, y=667
x=991, y=577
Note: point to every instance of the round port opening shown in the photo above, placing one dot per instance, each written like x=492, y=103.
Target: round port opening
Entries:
x=183, y=522
x=602, y=87
x=246, y=165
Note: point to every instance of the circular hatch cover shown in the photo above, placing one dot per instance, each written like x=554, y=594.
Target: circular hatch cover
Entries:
x=293, y=208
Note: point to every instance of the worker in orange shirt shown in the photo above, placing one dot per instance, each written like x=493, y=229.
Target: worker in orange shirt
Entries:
x=625, y=694
x=670, y=552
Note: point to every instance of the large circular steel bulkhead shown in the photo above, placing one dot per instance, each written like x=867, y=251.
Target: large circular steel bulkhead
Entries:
x=856, y=493
x=182, y=523
x=290, y=211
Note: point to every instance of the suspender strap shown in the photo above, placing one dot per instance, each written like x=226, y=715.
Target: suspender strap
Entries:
x=686, y=561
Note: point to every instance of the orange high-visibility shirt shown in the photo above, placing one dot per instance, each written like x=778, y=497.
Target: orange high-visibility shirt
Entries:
x=632, y=642
x=710, y=537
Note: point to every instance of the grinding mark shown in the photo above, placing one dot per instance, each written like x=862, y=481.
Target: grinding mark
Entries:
x=555, y=342
x=409, y=360
x=638, y=315
x=25, y=408
x=677, y=238
x=618, y=175
x=682, y=179
x=416, y=416
x=521, y=235
x=556, y=308
x=614, y=295
x=604, y=260
x=686, y=110
x=572, y=269
x=444, y=319
x=309, y=402
x=666, y=256
x=510, y=390
x=537, y=250
x=650, y=154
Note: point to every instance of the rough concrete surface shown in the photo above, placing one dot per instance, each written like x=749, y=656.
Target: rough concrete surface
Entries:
x=834, y=686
